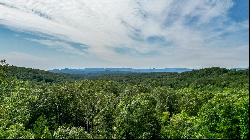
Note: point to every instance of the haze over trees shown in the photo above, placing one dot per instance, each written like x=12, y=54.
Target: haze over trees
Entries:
x=205, y=103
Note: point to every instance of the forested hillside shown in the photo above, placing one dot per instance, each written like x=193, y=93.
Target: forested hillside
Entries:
x=36, y=75
x=206, y=103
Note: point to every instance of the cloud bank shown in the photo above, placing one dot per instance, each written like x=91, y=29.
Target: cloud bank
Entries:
x=136, y=33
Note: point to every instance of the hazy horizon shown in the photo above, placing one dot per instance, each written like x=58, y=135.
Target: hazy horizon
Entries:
x=81, y=68
x=46, y=34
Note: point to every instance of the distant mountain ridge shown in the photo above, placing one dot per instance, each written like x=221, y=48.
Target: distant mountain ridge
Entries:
x=117, y=70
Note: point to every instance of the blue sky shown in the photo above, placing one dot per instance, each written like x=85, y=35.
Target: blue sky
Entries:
x=49, y=34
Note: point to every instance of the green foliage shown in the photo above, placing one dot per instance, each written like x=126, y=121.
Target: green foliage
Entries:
x=41, y=129
x=191, y=100
x=180, y=126
x=3, y=67
x=137, y=118
x=225, y=115
x=16, y=131
x=206, y=103
x=71, y=133
x=167, y=100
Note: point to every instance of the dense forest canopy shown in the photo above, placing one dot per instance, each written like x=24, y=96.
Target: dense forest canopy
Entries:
x=205, y=103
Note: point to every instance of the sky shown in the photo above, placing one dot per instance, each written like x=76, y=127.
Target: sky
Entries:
x=48, y=34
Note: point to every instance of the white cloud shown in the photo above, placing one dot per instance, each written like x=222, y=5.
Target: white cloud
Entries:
x=60, y=45
x=25, y=60
x=107, y=24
